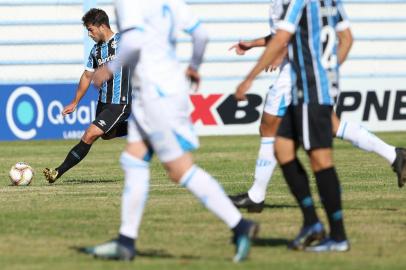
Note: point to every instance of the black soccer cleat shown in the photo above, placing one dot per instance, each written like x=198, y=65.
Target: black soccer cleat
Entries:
x=399, y=166
x=307, y=236
x=244, y=201
x=242, y=241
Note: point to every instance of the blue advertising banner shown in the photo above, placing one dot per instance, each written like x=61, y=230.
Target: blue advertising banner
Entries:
x=31, y=112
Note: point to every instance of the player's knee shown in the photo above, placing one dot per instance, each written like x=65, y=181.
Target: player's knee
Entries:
x=129, y=161
x=319, y=164
x=89, y=138
x=269, y=126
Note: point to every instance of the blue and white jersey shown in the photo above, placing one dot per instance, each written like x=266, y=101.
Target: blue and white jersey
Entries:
x=117, y=90
x=275, y=13
x=313, y=48
x=159, y=21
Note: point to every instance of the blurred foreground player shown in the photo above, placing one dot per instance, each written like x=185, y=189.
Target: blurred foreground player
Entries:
x=149, y=37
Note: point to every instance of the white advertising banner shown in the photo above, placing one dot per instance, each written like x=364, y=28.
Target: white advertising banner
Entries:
x=379, y=104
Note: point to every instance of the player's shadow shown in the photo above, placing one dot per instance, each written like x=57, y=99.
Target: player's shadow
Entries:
x=148, y=253
x=159, y=253
x=269, y=242
x=278, y=206
x=85, y=181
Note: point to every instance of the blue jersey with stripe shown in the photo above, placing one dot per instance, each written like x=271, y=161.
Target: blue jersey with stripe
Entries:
x=117, y=90
x=313, y=48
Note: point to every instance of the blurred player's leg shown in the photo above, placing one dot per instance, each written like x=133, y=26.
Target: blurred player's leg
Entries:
x=297, y=180
x=276, y=103
x=363, y=139
x=110, y=121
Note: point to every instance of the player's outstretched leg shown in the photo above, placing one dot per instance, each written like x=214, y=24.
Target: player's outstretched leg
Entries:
x=365, y=140
x=75, y=155
x=213, y=197
x=399, y=166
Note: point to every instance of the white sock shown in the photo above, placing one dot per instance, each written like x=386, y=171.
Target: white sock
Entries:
x=264, y=168
x=134, y=195
x=211, y=195
x=362, y=138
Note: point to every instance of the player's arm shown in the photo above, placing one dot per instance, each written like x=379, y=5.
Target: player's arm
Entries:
x=200, y=38
x=244, y=45
x=345, y=41
x=344, y=34
x=273, y=51
x=84, y=84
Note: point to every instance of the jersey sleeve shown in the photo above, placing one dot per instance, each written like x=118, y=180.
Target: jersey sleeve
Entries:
x=292, y=14
x=342, y=20
x=187, y=22
x=129, y=15
x=275, y=14
x=91, y=64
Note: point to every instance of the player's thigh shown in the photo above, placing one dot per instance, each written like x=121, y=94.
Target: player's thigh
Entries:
x=314, y=125
x=112, y=115
x=286, y=139
x=269, y=125
x=170, y=130
x=92, y=133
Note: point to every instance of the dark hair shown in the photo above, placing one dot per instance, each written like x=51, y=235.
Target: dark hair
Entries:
x=96, y=17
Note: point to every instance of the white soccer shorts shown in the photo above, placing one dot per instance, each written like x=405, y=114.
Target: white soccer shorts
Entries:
x=279, y=95
x=165, y=123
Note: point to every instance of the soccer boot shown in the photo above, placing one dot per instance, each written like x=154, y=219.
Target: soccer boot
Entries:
x=242, y=241
x=244, y=201
x=329, y=244
x=308, y=235
x=51, y=175
x=111, y=250
x=399, y=166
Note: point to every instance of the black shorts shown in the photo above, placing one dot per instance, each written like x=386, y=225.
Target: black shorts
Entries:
x=308, y=125
x=109, y=116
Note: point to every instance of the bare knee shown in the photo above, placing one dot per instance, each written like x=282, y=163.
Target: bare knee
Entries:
x=321, y=159
x=285, y=150
x=269, y=125
x=177, y=168
x=92, y=134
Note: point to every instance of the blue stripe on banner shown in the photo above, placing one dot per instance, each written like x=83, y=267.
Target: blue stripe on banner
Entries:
x=342, y=134
x=186, y=181
x=302, y=66
x=193, y=28
x=104, y=55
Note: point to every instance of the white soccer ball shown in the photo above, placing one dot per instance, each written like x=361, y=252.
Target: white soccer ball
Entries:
x=21, y=174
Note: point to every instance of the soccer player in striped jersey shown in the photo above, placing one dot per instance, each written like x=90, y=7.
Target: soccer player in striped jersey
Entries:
x=311, y=29
x=114, y=103
x=149, y=35
x=276, y=103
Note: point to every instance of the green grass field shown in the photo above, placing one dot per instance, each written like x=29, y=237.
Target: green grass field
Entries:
x=41, y=224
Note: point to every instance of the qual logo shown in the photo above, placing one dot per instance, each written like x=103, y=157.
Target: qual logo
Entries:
x=25, y=112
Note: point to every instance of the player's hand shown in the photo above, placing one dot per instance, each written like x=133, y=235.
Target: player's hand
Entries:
x=69, y=108
x=194, y=78
x=242, y=88
x=241, y=47
x=101, y=75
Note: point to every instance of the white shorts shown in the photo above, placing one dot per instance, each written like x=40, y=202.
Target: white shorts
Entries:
x=165, y=123
x=279, y=95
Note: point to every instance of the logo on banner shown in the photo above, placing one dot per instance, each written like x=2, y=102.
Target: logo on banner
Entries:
x=23, y=113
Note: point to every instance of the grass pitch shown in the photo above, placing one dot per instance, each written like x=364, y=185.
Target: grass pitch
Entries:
x=41, y=224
